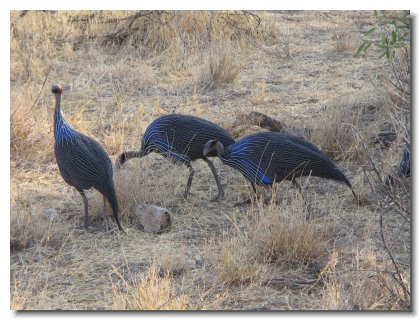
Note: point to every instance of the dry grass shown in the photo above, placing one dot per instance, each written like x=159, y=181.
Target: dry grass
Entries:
x=363, y=290
x=150, y=292
x=336, y=131
x=345, y=41
x=120, y=71
x=219, y=69
x=236, y=268
x=25, y=115
x=294, y=243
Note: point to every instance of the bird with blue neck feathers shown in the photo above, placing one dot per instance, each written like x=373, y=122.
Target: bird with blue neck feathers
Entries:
x=265, y=158
x=83, y=163
x=181, y=138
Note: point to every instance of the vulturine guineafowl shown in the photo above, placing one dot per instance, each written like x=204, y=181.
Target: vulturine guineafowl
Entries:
x=82, y=161
x=181, y=138
x=266, y=157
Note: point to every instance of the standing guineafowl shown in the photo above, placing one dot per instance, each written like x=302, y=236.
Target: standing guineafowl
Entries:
x=181, y=138
x=82, y=161
x=266, y=157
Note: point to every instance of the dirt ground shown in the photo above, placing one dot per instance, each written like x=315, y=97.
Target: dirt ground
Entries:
x=299, y=67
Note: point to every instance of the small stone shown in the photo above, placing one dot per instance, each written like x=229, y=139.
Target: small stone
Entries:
x=50, y=214
x=153, y=219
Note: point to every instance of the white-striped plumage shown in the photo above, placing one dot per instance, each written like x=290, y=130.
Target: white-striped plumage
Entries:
x=83, y=163
x=266, y=157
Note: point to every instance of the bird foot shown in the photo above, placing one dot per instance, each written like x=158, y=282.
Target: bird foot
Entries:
x=218, y=198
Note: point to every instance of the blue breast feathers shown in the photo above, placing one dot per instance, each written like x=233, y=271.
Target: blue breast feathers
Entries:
x=63, y=133
x=255, y=173
x=238, y=156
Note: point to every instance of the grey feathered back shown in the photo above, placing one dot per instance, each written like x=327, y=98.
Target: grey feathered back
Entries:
x=182, y=137
x=267, y=157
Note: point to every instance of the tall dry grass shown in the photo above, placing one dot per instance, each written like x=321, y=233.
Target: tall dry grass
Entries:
x=273, y=237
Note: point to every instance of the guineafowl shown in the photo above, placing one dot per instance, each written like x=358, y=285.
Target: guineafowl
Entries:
x=266, y=157
x=82, y=161
x=181, y=138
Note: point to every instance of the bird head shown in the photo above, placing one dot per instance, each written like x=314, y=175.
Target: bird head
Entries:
x=213, y=145
x=56, y=89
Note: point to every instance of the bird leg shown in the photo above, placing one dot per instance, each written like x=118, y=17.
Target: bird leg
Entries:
x=221, y=193
x=190, y=178
x=105, y=217
x=85, y=202
x=253, y=187
x=354, y=194
x=309, y=213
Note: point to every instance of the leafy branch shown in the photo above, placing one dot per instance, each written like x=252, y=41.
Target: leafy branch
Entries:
x=392, y=31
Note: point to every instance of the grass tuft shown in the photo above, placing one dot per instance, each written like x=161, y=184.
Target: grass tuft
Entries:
x=150, y=292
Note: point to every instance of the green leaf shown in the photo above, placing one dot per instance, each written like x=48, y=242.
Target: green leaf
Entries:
x=369, y=31
x=360, y=48
x=394, y=37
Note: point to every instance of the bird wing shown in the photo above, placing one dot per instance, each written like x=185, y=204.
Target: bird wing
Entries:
x=85, y=159
x=265, y=158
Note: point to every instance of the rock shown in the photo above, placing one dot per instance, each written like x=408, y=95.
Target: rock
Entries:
x=153, y=219
x=50, y=214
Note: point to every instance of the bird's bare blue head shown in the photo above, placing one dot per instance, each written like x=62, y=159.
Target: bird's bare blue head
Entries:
x=56, y=89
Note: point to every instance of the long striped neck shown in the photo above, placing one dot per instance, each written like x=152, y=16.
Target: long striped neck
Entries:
x=62, y=130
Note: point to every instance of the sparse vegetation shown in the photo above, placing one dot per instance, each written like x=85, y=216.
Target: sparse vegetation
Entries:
x=122, y=69
x=344, y=41
x=150, y=292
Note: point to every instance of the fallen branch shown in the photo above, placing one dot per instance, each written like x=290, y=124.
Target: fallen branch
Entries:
x=275, y=125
